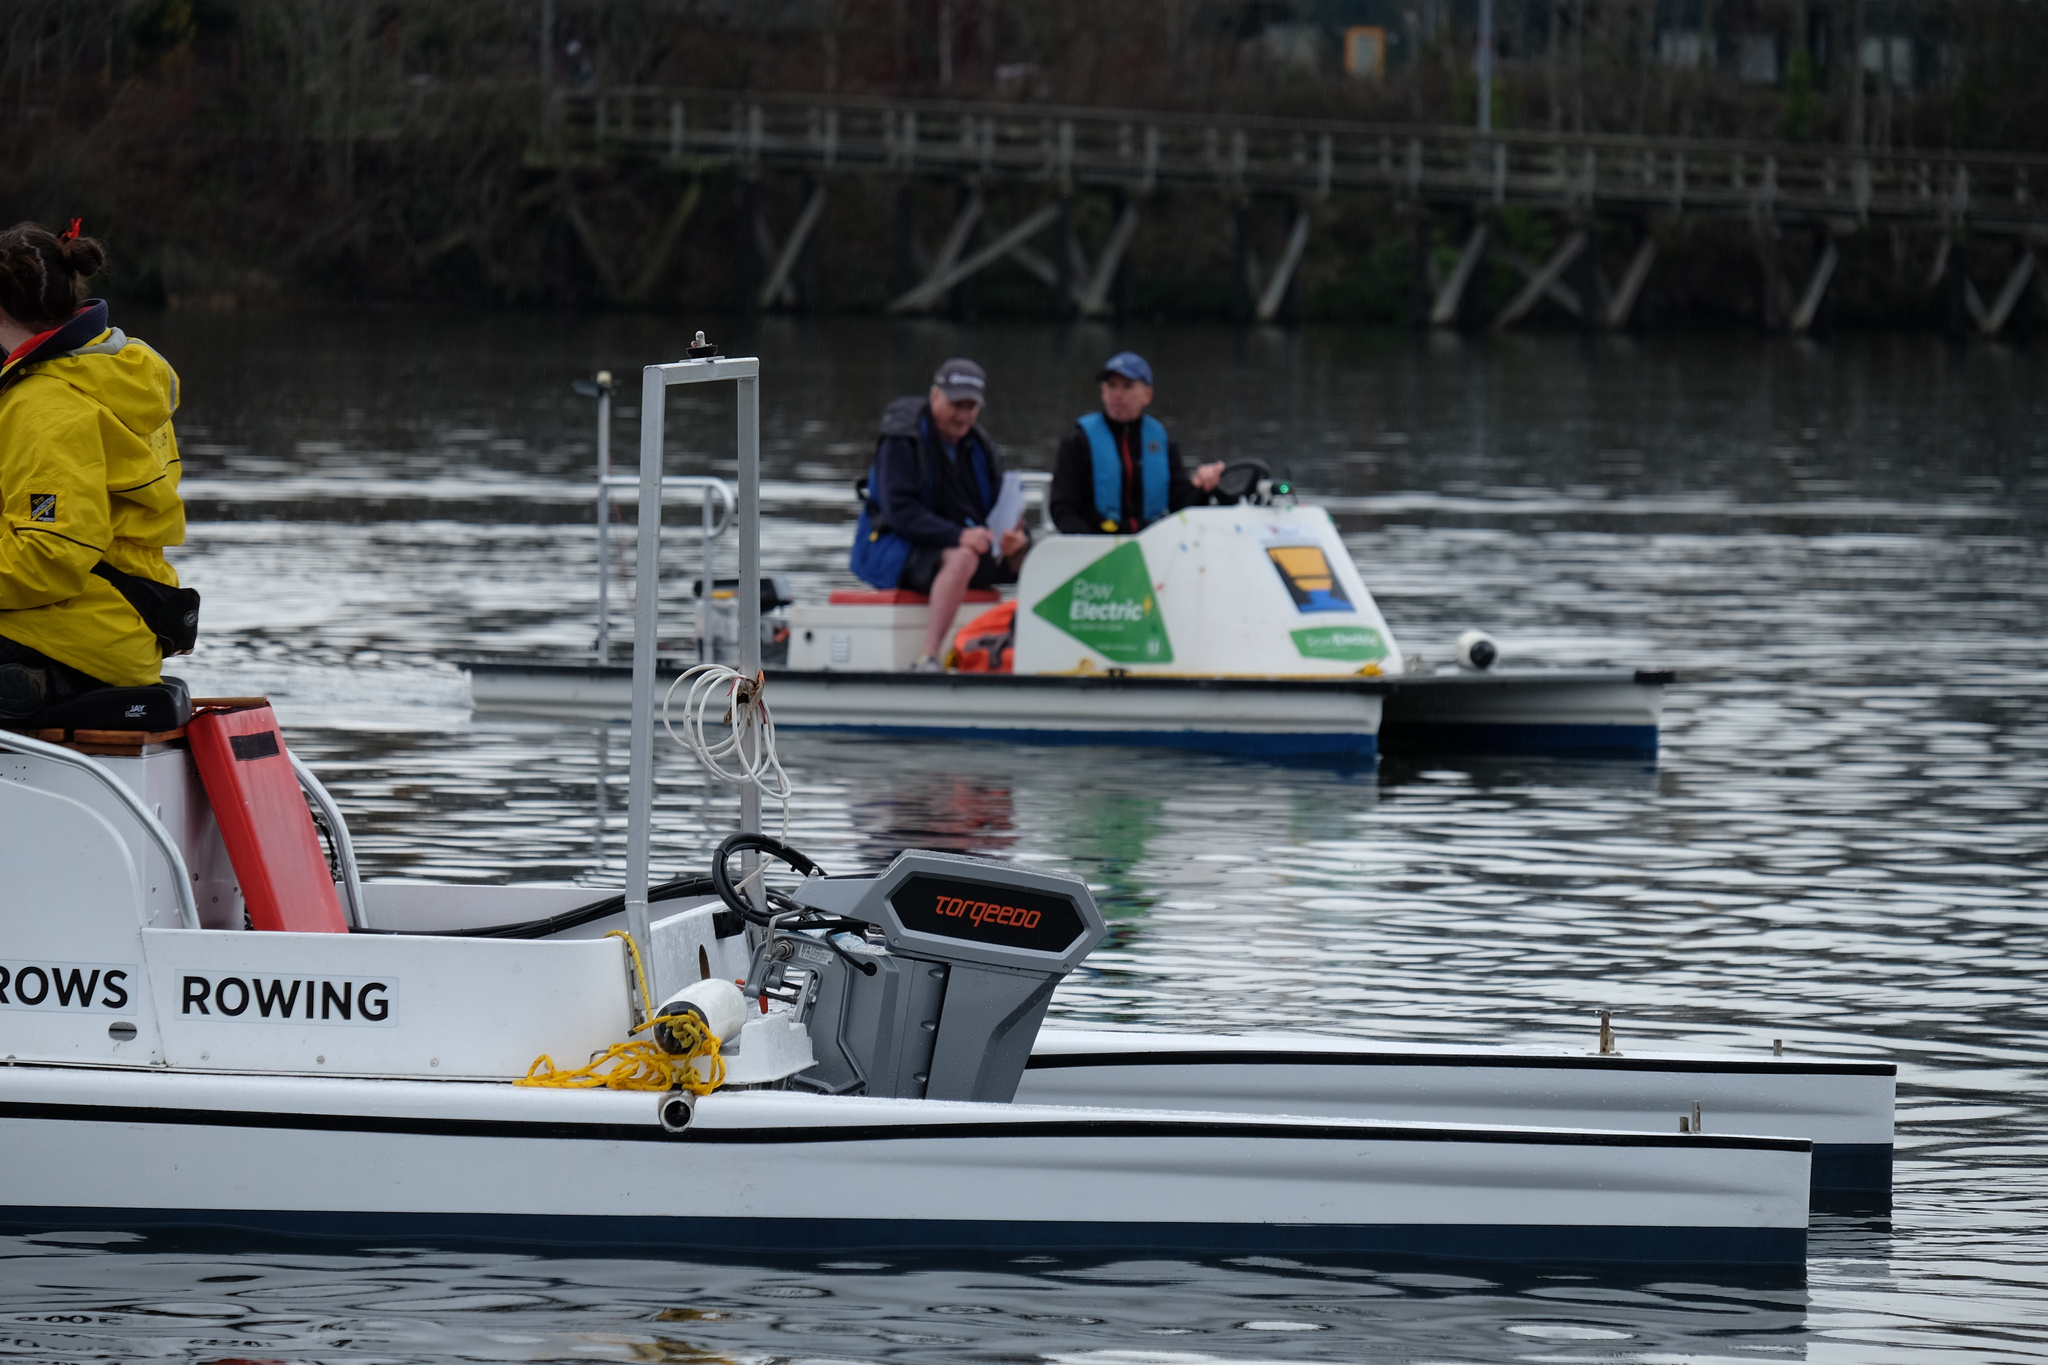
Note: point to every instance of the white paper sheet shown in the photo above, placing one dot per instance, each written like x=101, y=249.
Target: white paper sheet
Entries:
x=1008, y=511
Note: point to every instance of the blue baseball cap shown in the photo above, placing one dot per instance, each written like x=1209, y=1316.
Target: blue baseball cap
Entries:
x=1129, y=364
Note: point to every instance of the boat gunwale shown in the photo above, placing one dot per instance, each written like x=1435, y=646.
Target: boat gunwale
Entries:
x=1380, y=686
x=1076, y=1124
x=1051, y=1061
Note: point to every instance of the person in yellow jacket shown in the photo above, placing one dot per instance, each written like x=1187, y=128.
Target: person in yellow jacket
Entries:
x=88, y=485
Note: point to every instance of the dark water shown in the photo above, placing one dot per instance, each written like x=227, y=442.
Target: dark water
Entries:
x=1844, y=843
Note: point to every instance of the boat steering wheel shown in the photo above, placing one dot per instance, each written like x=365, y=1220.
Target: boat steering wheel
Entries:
x=1240, y=481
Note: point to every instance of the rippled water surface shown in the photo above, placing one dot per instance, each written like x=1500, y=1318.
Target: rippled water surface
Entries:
x=1844, y=844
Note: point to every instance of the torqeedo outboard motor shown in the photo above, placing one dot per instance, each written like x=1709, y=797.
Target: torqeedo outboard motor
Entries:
x=928, y=981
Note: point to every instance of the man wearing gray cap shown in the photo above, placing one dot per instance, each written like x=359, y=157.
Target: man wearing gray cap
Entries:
x=924, y=521
x=1117, y=471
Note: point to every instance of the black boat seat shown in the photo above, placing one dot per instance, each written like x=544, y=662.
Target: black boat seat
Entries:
x=162, y=706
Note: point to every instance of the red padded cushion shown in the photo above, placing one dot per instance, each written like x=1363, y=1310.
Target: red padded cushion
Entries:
x=897, y=597
x=264, y=822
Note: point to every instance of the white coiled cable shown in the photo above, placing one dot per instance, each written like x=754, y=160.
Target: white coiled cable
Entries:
x=750, y=742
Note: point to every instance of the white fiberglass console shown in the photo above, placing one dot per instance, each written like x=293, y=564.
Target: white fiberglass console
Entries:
x=1215, y=591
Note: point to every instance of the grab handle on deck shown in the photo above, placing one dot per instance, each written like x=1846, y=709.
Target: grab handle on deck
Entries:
x=188, y=905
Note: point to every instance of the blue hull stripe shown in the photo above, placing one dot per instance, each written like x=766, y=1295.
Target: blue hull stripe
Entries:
x=1311, y=745
x=1632, y=1246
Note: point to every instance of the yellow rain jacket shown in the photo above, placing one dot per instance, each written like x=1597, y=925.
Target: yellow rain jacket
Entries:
x=88, y=471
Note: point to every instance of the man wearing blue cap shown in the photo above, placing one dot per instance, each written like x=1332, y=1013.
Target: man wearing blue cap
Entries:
x=1118, y=471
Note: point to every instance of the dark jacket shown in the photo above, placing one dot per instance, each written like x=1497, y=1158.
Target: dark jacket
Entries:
x=1073, y=483
x=909, y=458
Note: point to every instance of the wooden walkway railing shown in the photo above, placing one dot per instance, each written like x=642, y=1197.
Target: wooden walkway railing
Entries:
x=1064, y=150
x=1098, y=148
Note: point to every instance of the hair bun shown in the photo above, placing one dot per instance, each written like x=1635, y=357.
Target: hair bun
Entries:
x=40, y=273
x=83, y=255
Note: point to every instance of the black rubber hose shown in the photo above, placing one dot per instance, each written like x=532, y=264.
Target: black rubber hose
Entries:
x=721, y=874
x=859, y=964
x=675, y=889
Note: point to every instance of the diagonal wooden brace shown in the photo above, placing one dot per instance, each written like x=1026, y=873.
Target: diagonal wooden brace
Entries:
x=1623, y=301
x=1994, y=319
x=1816, y=290
x=1540, y=283
x=1094, y=299
x=945, y=275
x=663, y=244
x=777, y=289
x=1275, y=291
x=1444, y=311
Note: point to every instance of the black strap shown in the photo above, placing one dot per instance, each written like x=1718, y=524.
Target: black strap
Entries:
x=866, y=485
x=172, y=614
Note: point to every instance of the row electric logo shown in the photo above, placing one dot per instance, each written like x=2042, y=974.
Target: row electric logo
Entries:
x=1109, y=607
x=318, y=1000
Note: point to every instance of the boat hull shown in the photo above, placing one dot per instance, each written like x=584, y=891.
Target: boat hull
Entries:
x=778, y=1171
x=1269, y=717
x=1844, y=1107
x=1593, y=714
x=1603, y=713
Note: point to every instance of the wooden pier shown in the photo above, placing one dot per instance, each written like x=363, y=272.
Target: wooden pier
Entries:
x=1295, y=166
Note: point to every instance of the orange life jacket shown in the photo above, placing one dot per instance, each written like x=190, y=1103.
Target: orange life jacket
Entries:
x=987, y=644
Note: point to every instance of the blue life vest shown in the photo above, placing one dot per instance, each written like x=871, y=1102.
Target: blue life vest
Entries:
x=1109, y=468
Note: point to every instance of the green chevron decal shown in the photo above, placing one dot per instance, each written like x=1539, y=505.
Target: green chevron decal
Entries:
x=1109, y=607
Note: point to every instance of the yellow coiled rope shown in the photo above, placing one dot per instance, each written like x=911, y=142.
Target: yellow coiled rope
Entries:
x=643, y=1064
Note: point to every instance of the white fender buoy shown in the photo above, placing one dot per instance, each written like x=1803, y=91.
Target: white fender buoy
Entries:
x=719, y=1002
x=1477, y=651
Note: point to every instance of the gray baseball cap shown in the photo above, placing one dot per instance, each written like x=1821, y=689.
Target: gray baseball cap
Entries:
x=962, y=381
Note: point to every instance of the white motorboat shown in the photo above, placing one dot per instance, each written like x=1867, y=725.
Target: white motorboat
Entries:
x=1242, y=629
x=164, y=1074
x=206, y=1025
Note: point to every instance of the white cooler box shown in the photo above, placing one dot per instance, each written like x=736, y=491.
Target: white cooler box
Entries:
x=865, y=631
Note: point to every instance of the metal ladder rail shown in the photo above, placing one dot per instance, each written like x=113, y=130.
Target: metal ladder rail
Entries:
x=718, y=502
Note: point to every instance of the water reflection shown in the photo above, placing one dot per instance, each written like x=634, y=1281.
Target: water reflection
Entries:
x=938, y=806
x=424, y=1305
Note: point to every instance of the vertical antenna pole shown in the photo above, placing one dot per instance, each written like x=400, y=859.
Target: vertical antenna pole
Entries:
x=547, y=70
x=646, y=624
x=749, y=603
x=707, y=576
x=1483, y=66
x=604, y=520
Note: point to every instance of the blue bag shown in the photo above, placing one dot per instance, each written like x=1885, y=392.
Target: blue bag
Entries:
x=878, y=552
